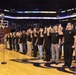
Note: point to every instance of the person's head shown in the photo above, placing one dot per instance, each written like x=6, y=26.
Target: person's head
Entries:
x=41, y=30
x=10, y=34
x=17, y=34
x=20, y=33
x=69, y=26
x=52, y=30
x=13, y=33
x=23, y=32
x=34, y=30
x=60, y=25
x=29, y=30
x=48, y=29
x=55, y=28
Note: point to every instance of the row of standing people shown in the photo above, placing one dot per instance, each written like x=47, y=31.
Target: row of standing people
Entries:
x=50, y=40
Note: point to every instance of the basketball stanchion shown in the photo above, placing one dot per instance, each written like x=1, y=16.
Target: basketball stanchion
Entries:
x=3, y=62
x=3, y=32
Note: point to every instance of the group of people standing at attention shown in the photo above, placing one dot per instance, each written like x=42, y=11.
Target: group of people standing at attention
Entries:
x=48, y=41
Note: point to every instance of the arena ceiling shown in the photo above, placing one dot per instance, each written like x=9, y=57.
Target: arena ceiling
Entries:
x=37, y=4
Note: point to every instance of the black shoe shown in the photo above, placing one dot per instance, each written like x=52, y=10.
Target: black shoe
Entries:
x=48, y=60
x=65, y=65
x=42, y=57
x=44, y=60
x=20, y=52
x=56, y=63
x=52, y=62
x=70, y=67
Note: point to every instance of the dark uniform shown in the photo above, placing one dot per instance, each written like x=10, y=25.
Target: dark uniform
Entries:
x=47, y=46
x=23, y=41
x=68, y=43
x=13, y=42
x=17, y=43
x=61, y=44
x=34, y=44
x=40, y=40
x=40, y=43
x=54, y=47
x=10, y=42
x=29, y=37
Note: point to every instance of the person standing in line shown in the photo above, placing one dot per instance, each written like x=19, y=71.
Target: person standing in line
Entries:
x=29, y=42
x=17, y=42
x=55, y=44
x=60, y=30
x=23, y=41
x=69, y=44
x=34, y=38
x=39, y=42
x=13, y=40
x=20, y=42
x=47, y=44
x=10, y=41
x=75, y=42
x=5, y=41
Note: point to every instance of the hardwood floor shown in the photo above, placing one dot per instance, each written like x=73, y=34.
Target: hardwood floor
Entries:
x=19, y=64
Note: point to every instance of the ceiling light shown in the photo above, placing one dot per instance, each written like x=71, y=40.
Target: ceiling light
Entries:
x=6, y=10
x=63, y=11
x=69, y=9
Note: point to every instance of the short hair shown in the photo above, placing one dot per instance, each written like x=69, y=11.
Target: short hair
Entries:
x=69, y=22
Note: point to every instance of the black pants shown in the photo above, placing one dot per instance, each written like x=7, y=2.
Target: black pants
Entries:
x=17, y=47
x=24, y=48
x=35, y=50
x=10, y=44
x=13, y=44
x=68, y=51
x=60, y=50
x=47, y=52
